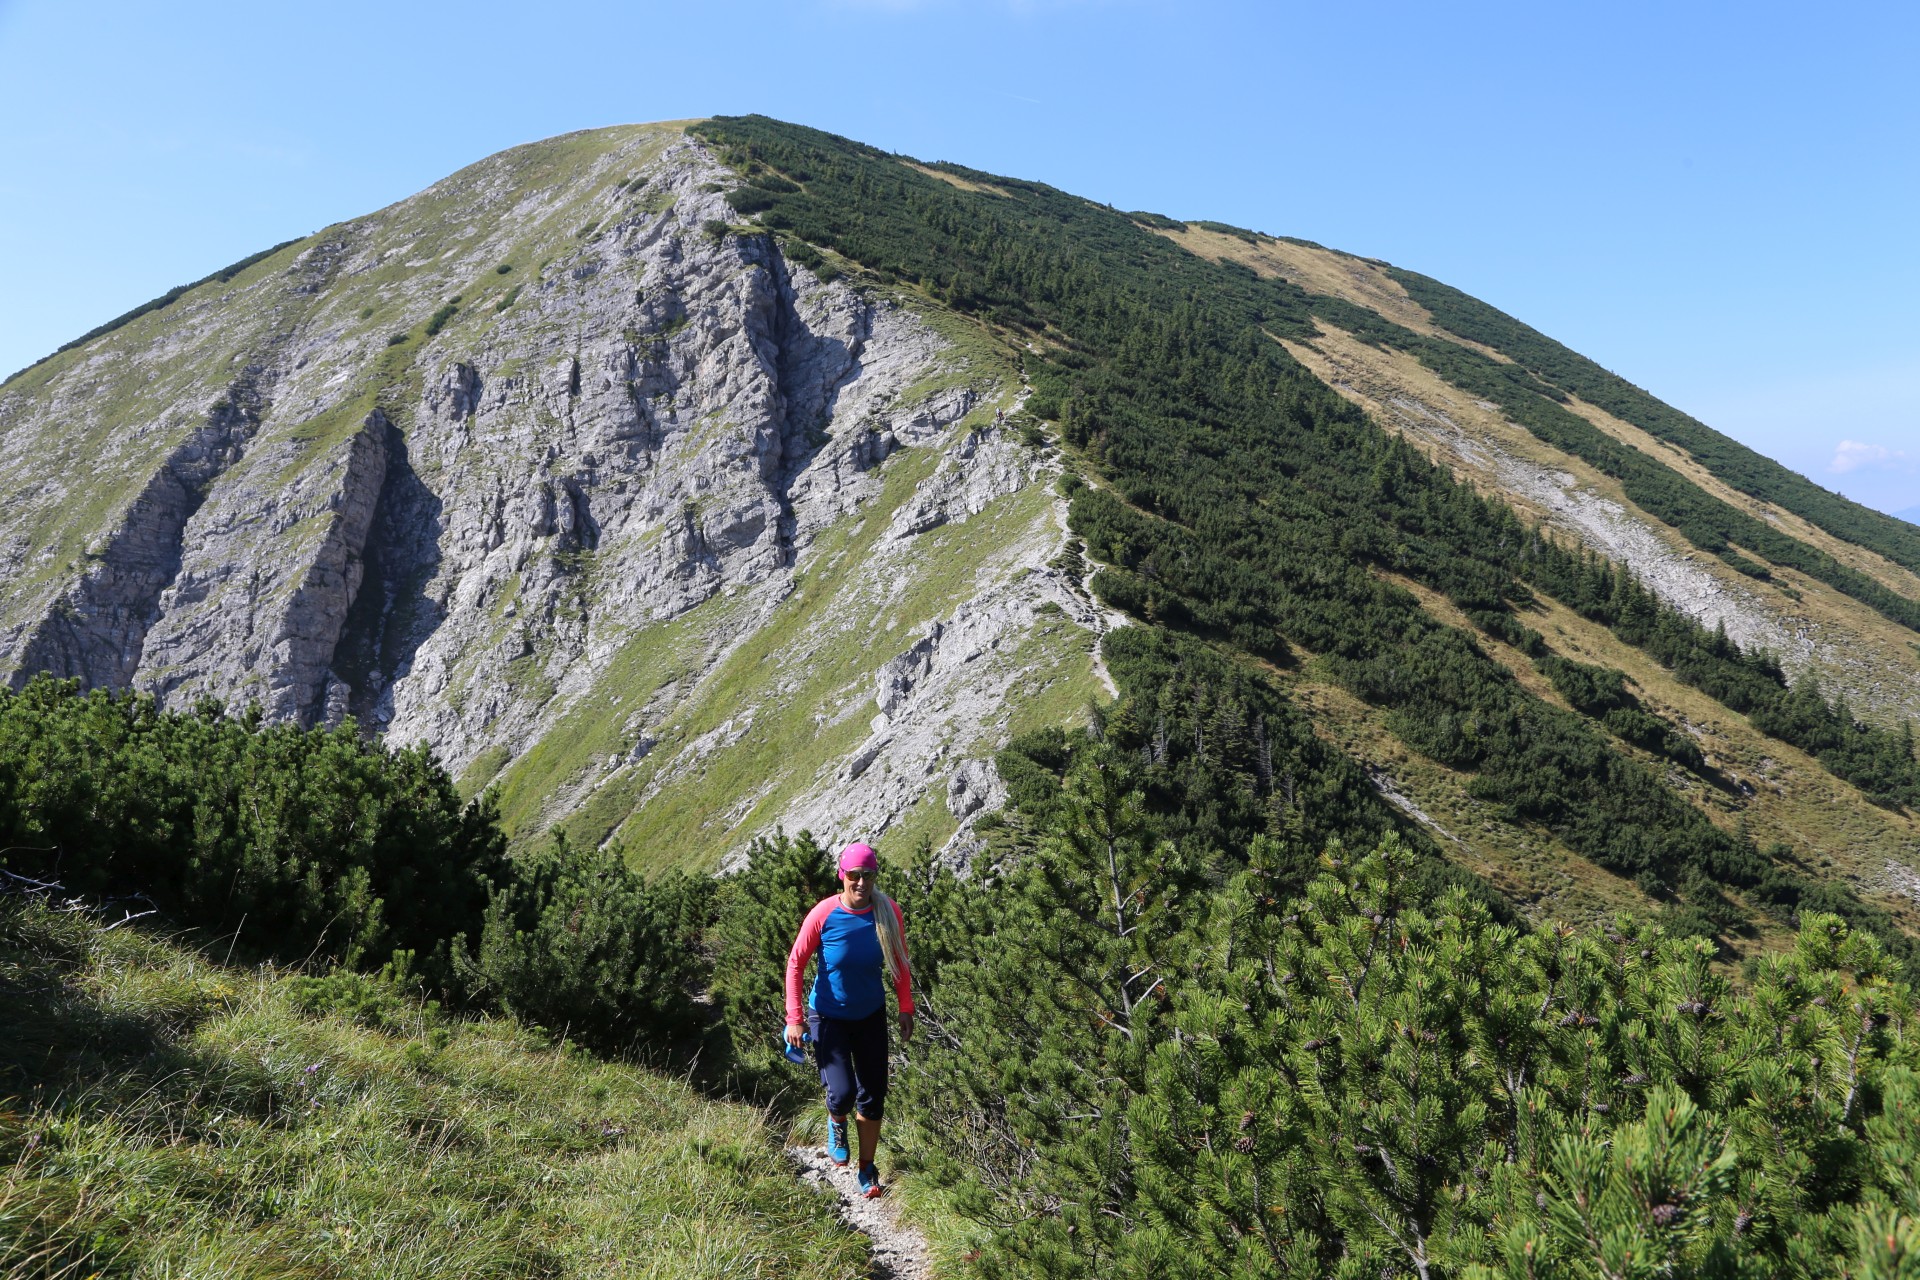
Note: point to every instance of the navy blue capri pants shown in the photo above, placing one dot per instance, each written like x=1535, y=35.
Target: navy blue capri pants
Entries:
x=852, y=1054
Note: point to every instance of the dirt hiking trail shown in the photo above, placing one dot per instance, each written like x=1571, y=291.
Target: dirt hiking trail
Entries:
x=899, y=1251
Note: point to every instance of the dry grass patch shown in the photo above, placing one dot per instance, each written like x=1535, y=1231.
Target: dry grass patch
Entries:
x=1853, y=649
x=1795, y=801
x=955, y=180
x=1326, y=272
x=1892, y=576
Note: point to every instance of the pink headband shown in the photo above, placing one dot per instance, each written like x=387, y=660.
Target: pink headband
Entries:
x=858, y=857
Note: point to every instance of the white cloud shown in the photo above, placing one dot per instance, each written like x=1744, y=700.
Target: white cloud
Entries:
x=1853, y=455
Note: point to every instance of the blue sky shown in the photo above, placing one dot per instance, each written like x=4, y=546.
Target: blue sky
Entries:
x=1717, y=201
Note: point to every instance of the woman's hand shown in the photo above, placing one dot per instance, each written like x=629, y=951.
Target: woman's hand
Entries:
x=906, y=1026
x=793, y=1034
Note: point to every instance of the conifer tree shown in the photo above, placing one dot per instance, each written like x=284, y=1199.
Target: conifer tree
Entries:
x=757, y=913
x=1045, y=1021
x=581, y=944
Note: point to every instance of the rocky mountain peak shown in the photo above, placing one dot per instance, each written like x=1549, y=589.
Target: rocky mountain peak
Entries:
x=458, y=469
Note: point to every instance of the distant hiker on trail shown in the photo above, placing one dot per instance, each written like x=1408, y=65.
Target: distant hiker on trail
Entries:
x=860, y=935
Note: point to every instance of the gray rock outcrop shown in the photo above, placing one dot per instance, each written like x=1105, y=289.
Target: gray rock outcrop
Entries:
x=483, y=447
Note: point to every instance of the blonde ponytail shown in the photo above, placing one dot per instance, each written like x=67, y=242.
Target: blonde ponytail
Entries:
x=893, y=947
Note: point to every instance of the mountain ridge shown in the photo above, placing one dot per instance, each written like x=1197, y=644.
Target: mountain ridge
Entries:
x=670, y=636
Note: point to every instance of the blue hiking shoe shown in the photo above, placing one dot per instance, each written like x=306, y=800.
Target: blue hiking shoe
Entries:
x=837, y=1141
x=869, y=1181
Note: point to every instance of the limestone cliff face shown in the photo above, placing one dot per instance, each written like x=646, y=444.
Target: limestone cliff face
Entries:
x=455, y=469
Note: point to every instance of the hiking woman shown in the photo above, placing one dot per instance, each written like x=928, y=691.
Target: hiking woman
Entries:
x=861, y=938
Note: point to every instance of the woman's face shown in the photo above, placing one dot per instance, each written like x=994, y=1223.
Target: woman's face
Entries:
x=859, y=887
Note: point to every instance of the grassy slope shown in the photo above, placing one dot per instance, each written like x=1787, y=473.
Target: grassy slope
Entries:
x=1862, y=539
x=1891, y=575
x=1863, y=647
x=1795, y=801
x=1378, y=289
x=1739, y=466
x=171, y=1116
x=1544, y=878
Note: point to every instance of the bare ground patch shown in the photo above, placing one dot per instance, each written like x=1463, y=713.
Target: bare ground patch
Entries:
x=900, y=1252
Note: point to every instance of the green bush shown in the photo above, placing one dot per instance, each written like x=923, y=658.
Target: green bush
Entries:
x=387, y=1000
x=801, y=252
x=294, y=843
x=757, y=913
x=1128, y=1072
x=1591, y=690
x=749, y=200
x=580, y=943
x=1157, y=220
x=1228, y=229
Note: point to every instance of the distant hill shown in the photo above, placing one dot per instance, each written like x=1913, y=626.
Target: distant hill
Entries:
x=1911, y=515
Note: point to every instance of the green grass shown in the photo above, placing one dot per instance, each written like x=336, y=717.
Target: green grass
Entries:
x=1058, y=646
x=595, y=725
x=483, y=769
x=953, y=1239
x=928, y=820
x=173, y=1117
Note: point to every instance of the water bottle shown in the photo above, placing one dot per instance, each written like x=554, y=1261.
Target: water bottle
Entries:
x=795, y=1054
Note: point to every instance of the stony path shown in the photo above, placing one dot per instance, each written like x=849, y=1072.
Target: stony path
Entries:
x=899, y=1251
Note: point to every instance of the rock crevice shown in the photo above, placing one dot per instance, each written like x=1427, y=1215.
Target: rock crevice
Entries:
x=97, y=629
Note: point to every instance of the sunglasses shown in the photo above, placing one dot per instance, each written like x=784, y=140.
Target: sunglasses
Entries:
x=858, y=875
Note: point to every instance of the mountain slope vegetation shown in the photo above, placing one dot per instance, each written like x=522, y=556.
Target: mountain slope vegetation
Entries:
x=1555, y=367
x=1372, y=793
x=1243, y=502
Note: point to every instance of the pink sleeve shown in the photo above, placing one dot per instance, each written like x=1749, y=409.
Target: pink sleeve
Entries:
x=803, y=948
x=903, y=988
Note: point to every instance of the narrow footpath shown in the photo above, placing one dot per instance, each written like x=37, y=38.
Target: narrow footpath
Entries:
x=899, y=1251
